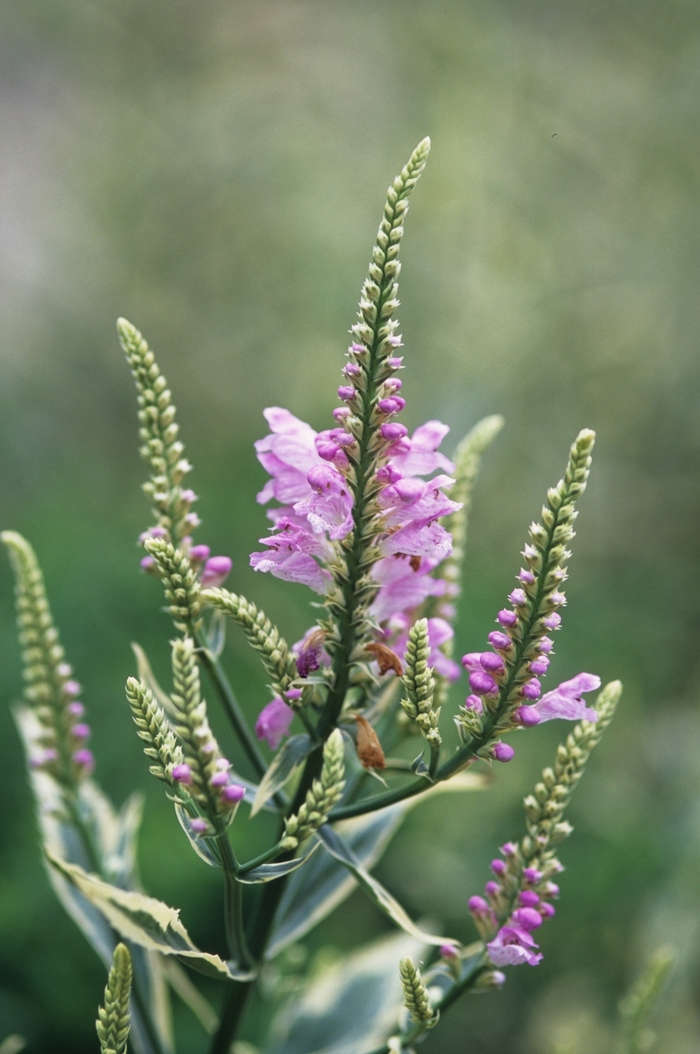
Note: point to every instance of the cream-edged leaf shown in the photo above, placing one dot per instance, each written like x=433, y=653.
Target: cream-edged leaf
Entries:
x=290, y=755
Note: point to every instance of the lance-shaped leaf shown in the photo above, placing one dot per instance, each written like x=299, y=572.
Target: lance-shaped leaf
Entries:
x=179, y=981
x=351, y=1007
x=114, y=837
x=313, y=894
x=146, y=922
x=269, y=872
x=376, y=892
x=285, y=761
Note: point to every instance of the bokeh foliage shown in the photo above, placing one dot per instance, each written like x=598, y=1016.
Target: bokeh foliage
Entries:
x=215, y=172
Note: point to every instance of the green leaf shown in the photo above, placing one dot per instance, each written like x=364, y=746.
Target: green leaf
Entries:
x=179, y=981
x=376, y=892
x=317, y=891
x=215, y=633
x=205, y=848
x=285, y=761
x=145, y=921
x=114, y=836
x=351, y=1007
x=268, y=872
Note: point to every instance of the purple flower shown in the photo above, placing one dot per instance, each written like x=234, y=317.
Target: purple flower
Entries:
x=526, y=577
x=511, y=947
x=329, y=506
x=75, y=709
x=182, y=774
x=545, y=645
x=532, y=875
x=288, y=454
x=294, y=694
x=199, y=826
x=346, y=392
x=566, y=701
x=448, y=951
x=392, y=430
x=351, y=369
x=84, y=759
x=509, y=849
x=547, y=911
x=528, y=898
x=215, y=571
x=81, y=731
x=148, y=564
x=233, y=793
x=219, y=779
x=273, y=722
x=540, y=665
x=552, y=621
x=518, y=597
x=200, y=553
x=72, y=688
x=478, y=906
x=502, y=752
x=473, y=702
x=492, y=889
x=498, y=867
x=431, y=540
x=507, y=618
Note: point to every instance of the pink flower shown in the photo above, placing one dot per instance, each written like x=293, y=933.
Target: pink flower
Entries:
x=513, y=946
x=431, y=540
x=216, y=570
x=291, y=554
x=288, y=454
x=329, y=506
x=566, y=701
x=419, y=456
x=273, y=722
x=405, y=584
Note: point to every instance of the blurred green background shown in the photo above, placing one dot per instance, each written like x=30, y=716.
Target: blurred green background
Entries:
x=215, y=172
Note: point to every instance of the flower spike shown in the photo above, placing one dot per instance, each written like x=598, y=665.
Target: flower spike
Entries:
x=415, y=994
x=320, y=799
x=113, y=1018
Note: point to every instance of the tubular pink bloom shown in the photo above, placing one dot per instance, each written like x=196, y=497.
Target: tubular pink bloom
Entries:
x=290, y=556
x=329, y=507
x=411, y=501
x=405, y=584
x=216, y=570
x=182, y=774
x=473, y=702
x=566, y=701
x=419, y=456
x=288, y=454
x=273, y=722
x=512, y=947
x=233, y=793
x=431, y=540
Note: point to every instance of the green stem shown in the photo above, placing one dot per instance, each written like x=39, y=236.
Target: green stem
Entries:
x=232, y=709
x=233, y=904
x=264, y=858
x=233, y=1011
x=434, y=760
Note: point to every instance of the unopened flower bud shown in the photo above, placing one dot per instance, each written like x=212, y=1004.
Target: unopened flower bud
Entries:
x=293, y=694
x=532, y=875
x=507, y=618
x=518, y=597
x=351, y=369
x=392, y=430
x=545, y=645
x=81, y=731
x=540, y=665
x=528, y=898
x=532, y=689
x=527, y=918
x=199, y=826
x=499, y=640
x=490, y=979
x=219, y=779
x=499, y=867
x=478, y=906
x=526, y=577
x=482, y=683
x=346, y=392
x=84, y=759
x=551, y=889
x=527, y=716
x=75, y=709
x=503, y=752
x=72, y=688
x=552, y=621
x=200, y=553
x=473, y=702
x=342, y=412
x=216, y=570
x=182, y=774
x=492, y=889
x=492, y=662
x=509, y=849
x=448, y=951
x=233, y=793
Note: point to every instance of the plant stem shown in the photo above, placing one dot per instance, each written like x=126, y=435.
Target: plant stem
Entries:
x=233, y=904
x=232, y=709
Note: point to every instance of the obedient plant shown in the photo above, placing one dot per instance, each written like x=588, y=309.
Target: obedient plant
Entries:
x=373, y=521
